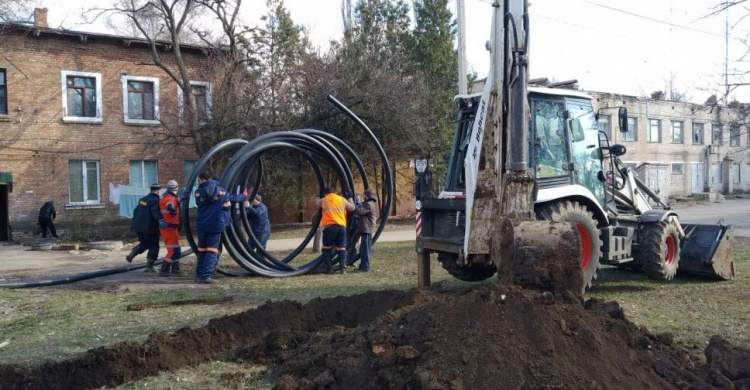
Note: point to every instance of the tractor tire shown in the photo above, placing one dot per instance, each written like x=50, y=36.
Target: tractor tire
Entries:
x=476, y=273
x=585, y=223
x=660, y=250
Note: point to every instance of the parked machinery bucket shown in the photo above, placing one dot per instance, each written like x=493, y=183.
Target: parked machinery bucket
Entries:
x=707, y=251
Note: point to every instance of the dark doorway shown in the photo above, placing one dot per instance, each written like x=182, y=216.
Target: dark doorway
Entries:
x=5, y=233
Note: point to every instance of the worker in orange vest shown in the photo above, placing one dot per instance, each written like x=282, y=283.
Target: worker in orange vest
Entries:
x=334, y=208
x=169, y=205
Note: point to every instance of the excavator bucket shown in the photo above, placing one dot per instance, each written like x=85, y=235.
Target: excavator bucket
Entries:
x=707, y=251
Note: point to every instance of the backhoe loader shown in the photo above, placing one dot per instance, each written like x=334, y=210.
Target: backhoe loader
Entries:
x=524, y=160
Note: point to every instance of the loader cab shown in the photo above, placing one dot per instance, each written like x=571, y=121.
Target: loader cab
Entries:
x=564, y=141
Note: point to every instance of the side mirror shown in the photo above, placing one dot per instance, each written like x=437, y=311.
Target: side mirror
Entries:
x=622, y=119
x=618, y=150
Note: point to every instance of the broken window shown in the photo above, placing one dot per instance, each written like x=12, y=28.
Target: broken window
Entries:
x=697, y=133
x=716, y=137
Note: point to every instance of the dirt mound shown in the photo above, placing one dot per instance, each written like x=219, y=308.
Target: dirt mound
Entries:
x=488, y=337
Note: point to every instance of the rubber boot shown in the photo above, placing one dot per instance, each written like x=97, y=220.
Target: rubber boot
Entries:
x=150, y=266
x=133, y=253
x=164, y=270
x=176, y=268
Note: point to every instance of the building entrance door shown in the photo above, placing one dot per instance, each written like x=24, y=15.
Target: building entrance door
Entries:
x=697, y=175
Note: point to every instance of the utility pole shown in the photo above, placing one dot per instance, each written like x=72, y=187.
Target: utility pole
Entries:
x=726, y=54
x=461, y=37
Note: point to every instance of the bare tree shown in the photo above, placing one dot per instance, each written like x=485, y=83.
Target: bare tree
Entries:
x=16, y=10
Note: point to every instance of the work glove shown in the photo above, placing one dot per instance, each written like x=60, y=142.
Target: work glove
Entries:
x=163, y=224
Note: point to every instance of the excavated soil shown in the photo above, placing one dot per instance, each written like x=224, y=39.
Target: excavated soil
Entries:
x=488, y=337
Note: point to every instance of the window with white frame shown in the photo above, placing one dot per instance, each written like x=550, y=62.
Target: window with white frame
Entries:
x=676, y=133
x=734, y=135
x=140, y=99
x=82, y=96
x=716, y=134
x=632, y=133
x=678, y=168
x=83, y=182
x=143, y=173
x=654, y=130
x=201, y=91
x=605, y=124
x=697, y=133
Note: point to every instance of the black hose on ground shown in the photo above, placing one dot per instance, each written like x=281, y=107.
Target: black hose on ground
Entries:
x=244, y=171
x=64, y=279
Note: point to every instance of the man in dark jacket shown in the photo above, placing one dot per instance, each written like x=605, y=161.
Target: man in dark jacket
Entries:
x=257, y=213
x=147, y=219
x=213, y=217
x=46, y=215
x=366, y=213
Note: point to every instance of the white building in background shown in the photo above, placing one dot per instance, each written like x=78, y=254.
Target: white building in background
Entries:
x=681, y=148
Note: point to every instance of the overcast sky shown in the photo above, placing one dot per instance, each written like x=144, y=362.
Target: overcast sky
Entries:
x=628, y=47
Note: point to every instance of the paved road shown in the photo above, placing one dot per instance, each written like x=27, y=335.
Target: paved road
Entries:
x=15, y=258
x=735, y=212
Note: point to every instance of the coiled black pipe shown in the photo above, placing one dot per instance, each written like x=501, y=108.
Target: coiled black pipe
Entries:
x=244, y=170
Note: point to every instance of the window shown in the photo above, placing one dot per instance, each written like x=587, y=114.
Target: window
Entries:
x=143, y=173
x=202, y=94
x=654, y=130
x=678, y=168
x=83, y=181
x=140, y=99
x=676, y=133
x=697, y=133
x=734, y=135
x=632, y=134
x=3, y=93
x=716, y=137
x=605, y=124
x=736, y=172
x=81, y=97
x=189, y=166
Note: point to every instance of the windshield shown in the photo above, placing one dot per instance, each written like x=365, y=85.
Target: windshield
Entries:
x=585, y=149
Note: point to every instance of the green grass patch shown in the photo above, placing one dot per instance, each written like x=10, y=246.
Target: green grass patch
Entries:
x=58, y=322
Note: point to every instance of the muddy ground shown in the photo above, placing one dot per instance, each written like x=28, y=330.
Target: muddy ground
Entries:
x=488, y=337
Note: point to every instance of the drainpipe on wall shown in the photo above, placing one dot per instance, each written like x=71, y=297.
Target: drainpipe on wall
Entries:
x=707, y=170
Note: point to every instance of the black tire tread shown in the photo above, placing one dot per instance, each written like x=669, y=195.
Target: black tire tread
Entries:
x=653, y=247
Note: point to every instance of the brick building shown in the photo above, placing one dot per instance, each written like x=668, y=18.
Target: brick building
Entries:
x=681, y=148
x=82, y=113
